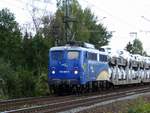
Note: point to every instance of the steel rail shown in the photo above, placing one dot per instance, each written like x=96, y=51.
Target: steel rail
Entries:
x=60, y=106
x=29, y=102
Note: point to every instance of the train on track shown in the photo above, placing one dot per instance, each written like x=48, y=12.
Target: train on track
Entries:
x=82, y=67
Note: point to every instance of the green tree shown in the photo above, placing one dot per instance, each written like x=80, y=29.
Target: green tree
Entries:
x=85, y=27
x=51, y=29
x=145, y=53
x=40, y=50
x=136, y=47
x=27, y=83
x=10, y=82
x=10, y=37
x=99, y=36
x=27, y=53
x=129, y=47
x=10, y=54
x=42, y=85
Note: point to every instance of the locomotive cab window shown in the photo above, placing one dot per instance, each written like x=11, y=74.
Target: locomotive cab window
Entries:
x=103, y=58
x=57, y=55
x=92, y=56
x=72, y=55
x=102, y=49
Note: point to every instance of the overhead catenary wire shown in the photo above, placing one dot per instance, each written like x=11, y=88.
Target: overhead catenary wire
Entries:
x=111, y=15
x=12, y=4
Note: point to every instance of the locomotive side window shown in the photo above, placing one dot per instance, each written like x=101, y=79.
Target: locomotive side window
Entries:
x=57, y=55
x=102, y=49
x=103, y=58
x=92, y=56
x=71, y=55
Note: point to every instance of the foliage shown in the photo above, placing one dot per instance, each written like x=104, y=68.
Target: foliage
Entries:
x=136, y=47
x=129, y=47
x=85, y=27
x=42, y=85
x=27, y=83
x=140, y=107
x=10, y=37
x=9, y=80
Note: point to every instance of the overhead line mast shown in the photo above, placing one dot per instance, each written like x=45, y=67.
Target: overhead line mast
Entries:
x=68, y=20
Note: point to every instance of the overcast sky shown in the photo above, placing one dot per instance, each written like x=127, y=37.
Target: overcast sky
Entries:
x=123, y=17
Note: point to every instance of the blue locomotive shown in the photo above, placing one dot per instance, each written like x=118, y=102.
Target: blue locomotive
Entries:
x=77, y=66
x=80, y=67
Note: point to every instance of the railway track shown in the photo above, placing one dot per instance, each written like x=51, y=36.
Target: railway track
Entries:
x=13, y=104
x=59, y=104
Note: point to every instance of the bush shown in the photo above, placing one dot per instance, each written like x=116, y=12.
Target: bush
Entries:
x=9, y=81
x=140, y=107
x=27, y=83
x=42, y=85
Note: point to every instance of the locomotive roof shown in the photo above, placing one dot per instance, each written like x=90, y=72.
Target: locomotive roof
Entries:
x=76, y=48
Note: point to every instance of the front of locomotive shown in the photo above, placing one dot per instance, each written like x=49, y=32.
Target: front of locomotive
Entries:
x=64, y=66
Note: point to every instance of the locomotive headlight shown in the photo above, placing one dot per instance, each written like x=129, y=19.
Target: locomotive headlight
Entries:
x=75, y=72
x=53, y=72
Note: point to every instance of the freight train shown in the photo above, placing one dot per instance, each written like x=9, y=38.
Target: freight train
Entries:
x=80, y=66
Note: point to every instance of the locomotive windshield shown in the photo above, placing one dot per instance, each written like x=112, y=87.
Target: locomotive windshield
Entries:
x=60, y=55
x=73, y=55
x=57, y=55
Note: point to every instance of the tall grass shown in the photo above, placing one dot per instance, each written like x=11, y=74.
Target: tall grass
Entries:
x=140, y=106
